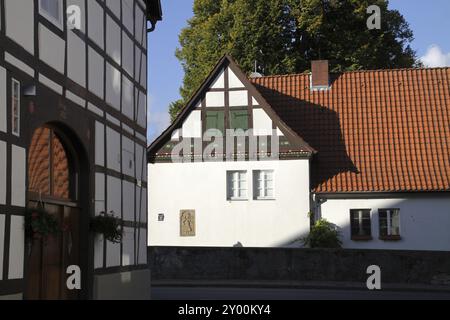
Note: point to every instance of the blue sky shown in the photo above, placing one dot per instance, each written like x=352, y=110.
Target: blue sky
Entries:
x=428, y=19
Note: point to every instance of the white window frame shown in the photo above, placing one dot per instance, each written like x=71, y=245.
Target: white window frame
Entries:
x=237, y=185
x=15, y=100
x=57, y=22
x=260, y=184
x=389, y=221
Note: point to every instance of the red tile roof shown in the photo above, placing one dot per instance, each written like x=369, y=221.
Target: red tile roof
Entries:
x=376, y=131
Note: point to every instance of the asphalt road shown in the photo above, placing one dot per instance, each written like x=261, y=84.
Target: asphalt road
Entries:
x=214, y=293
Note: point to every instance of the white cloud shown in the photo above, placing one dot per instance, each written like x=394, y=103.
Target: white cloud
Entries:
x=435, y=57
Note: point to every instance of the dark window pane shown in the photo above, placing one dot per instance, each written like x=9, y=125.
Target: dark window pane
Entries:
x=360, y=223
x=239, y=120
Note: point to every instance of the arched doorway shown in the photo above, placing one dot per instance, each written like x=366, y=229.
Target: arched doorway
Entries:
x=53, y=184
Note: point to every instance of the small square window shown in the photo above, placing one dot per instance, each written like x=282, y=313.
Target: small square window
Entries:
x=52, y=10
x=15, y=108
x=263, y=185
x=389, y=223
x=237, y=185
x=361, y=228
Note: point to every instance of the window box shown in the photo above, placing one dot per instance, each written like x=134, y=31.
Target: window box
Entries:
x=362, y=238
x=390, y=238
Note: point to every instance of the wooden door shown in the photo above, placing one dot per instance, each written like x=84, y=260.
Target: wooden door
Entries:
x=53, y=177
x=49, y=258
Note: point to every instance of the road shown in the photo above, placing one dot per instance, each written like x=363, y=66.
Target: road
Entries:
x=215, y=293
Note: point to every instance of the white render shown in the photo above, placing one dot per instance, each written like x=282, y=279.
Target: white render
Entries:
x=262, y=124
x=424, y=222
x=18, y=173
x=234, y=81
x=192, y=126
x=238, y=98
x=51, y=49
x=20, y=23
x=2, y=241
x=215, y=99
x=3, y=155
x=3, y=102
x=203, y=187
x=17, y=248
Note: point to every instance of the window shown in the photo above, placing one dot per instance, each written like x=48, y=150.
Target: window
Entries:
x=360, y=224
x=50, y=171
x=263, y=185
x=15, y=104
x=52, y=10
x=389, y=224
x=239, y=120
x=215, y=120
x=237, y=185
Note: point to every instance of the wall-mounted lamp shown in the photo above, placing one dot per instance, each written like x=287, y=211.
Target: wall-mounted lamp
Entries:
x=29, y=90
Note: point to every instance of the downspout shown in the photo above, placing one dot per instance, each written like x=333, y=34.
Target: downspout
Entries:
x=153, y=23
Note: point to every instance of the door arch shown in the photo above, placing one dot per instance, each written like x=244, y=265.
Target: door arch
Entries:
x=54, y=184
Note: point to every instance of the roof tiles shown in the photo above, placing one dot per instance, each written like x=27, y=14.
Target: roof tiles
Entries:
x=375, y=131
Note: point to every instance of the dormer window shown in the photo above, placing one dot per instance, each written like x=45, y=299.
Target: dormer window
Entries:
x=52, y=10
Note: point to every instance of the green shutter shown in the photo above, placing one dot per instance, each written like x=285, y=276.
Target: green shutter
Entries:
x=215, y=120
x=239, y=119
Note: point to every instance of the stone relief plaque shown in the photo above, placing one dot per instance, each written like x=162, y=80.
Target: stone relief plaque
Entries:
x=187, y=223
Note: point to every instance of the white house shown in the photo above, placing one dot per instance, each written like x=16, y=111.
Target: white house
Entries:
x=366, y=150
x=73, y=83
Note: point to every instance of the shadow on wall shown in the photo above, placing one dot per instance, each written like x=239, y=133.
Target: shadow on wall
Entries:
x=320, y=127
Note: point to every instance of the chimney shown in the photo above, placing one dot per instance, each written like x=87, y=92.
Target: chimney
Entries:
x=320, y=78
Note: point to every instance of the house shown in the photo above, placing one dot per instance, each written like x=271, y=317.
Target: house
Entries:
x=73, y=83
x=367, y=150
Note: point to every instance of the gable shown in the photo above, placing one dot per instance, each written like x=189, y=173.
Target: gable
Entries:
x=227, y=100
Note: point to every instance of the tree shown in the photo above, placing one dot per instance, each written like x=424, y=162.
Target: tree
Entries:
x=283, y=36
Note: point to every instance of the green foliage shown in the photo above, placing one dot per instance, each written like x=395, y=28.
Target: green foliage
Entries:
x=283, y=36
x=107, y=225
x=39, y=224
x=174, y=108
x=323, y=235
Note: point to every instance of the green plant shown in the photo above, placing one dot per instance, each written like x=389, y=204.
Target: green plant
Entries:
x=323, y=235
x=108, y=225
x=39, y=224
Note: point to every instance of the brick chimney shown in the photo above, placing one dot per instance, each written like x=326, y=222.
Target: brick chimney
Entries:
x=320, y=78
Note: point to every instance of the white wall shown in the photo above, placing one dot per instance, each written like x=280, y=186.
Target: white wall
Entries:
x=219, y=222
x=20, y=23
x=424, y=222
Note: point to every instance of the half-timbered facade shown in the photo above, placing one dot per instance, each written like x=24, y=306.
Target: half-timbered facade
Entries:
x=73, y=83
x=366, y=150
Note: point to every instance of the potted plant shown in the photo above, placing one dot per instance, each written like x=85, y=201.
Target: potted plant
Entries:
x=40, y=224
x=108, y=225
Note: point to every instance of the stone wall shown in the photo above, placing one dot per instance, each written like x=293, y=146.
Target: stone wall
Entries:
x=282, y=264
